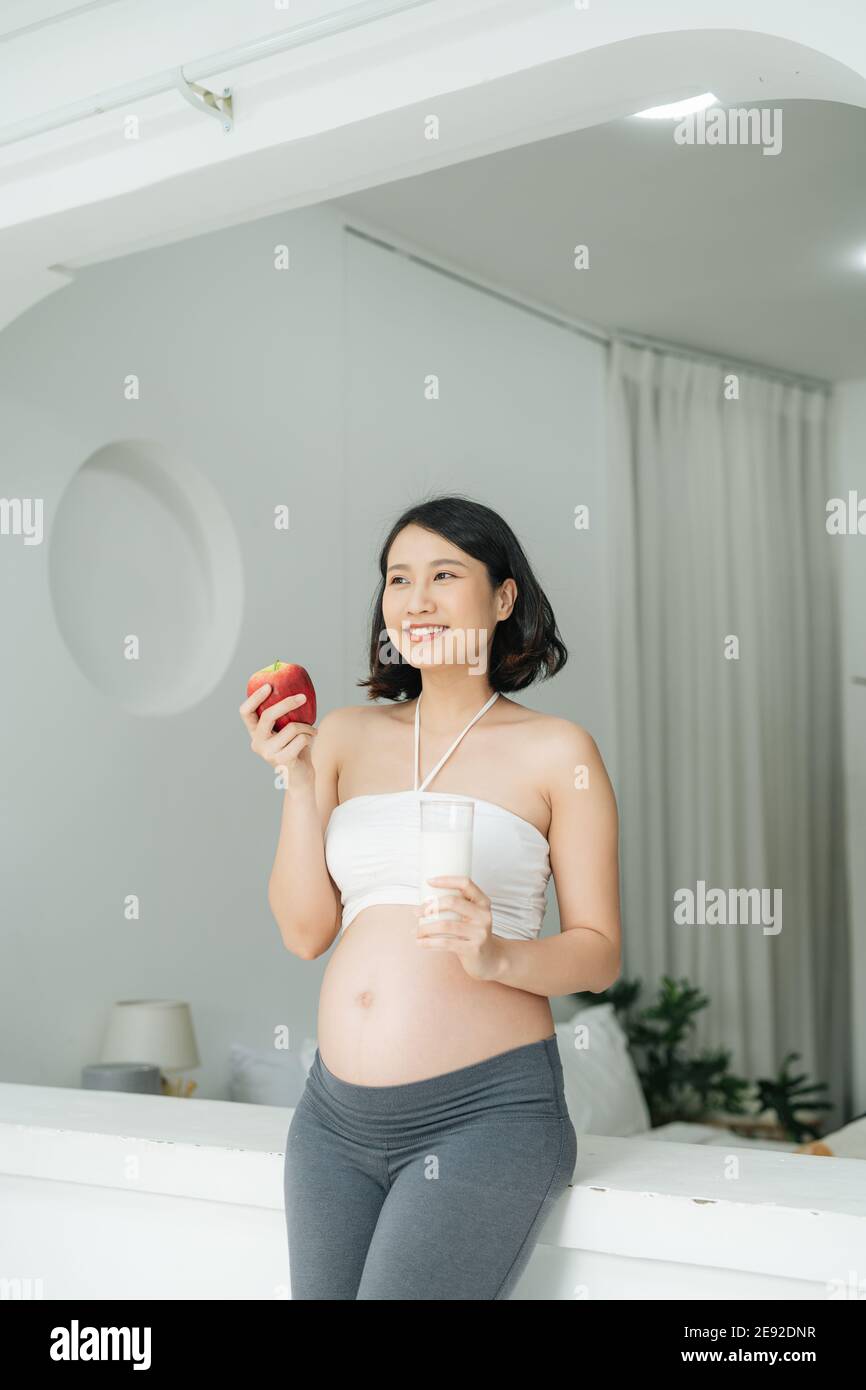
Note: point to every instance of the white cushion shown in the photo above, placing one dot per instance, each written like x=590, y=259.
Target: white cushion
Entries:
x=849, y=1141
x=269, y=1078
x=602, y=1089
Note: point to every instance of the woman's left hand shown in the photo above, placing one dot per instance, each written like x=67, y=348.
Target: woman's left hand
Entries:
x=471, y=939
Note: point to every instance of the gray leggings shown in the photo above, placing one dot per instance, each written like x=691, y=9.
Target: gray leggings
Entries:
x=437, y=1189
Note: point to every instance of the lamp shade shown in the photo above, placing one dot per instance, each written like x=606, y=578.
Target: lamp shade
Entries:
x=151, y=1030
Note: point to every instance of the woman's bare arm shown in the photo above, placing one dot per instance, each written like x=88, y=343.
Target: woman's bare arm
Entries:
x=302, y=895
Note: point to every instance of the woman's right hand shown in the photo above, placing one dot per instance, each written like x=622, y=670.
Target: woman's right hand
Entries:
x=288, y=747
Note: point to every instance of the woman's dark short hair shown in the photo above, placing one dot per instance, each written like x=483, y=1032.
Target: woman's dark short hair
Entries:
x=526, y=645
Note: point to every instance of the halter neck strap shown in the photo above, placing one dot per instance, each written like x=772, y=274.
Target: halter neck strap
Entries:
x=431, y=775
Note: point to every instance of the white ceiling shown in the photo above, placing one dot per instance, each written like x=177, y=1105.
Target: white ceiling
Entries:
x=762, y=257
x=534, y=97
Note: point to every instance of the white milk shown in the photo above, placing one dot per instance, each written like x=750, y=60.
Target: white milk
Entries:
x=444, y=852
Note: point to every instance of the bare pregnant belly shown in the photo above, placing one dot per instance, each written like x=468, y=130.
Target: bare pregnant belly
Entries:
x=392, y=1012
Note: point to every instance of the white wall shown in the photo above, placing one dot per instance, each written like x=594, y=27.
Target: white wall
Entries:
x=519, y=425
x=300, y=387
x=850, y=468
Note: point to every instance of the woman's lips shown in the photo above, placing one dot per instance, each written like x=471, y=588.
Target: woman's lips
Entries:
x=426, y=634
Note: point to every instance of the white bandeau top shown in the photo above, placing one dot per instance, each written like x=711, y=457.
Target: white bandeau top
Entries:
x=372, y=850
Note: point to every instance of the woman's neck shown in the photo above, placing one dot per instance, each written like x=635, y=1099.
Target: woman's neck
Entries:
x=448, y=707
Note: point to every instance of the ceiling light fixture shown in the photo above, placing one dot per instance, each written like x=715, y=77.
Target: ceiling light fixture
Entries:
x=675, y=109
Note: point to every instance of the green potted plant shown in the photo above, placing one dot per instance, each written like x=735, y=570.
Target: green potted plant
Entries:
x=682, y=1085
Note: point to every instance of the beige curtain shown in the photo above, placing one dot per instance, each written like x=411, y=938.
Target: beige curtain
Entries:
x=730, y=771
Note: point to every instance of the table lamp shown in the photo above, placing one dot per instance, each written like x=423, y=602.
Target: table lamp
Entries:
x=158, y=1031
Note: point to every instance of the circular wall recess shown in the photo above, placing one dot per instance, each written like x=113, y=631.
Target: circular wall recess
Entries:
x=142, y=550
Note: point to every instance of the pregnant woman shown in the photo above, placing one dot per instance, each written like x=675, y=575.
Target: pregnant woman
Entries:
x=432, y=1138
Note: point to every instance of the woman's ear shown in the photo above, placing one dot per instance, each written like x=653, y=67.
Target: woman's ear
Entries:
x=507, y=598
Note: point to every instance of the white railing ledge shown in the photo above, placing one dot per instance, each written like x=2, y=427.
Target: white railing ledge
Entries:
x=789, y=1215
x=738, y=1208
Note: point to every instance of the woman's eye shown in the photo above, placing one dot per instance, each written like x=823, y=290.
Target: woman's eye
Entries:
x=436, y=576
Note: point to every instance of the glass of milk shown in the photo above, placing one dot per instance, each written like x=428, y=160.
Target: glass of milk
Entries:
x=446, y=848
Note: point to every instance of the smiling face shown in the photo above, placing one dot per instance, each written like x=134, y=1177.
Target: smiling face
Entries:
x=438, y=603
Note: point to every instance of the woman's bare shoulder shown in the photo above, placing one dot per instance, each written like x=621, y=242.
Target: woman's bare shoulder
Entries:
x=554, y=746
x=345, y=719
x=345, y=713
x=551, y=730
x=564, y=750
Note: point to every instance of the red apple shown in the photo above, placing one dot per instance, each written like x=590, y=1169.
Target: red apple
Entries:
x=286, y=678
